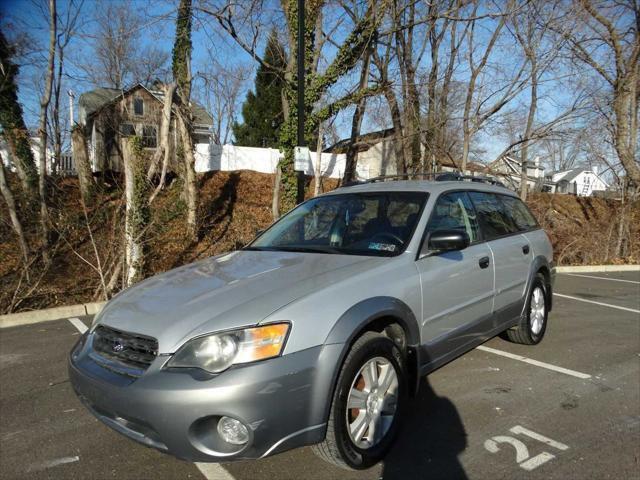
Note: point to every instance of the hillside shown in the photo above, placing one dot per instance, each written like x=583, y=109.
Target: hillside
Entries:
x=233, y=206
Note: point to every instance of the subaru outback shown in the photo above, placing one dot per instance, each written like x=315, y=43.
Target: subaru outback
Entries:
x=318, y=332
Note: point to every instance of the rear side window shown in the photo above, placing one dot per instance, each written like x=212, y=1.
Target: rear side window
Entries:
x=519, y=213
x=454, y=211
x=493, y=215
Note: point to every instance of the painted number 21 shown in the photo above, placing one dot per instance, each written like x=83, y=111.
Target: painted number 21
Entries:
x=522, y=452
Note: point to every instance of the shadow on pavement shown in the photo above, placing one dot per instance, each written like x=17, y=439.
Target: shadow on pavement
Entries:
x=429, y=444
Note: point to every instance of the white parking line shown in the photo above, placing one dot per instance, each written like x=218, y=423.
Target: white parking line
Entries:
x=79, y=324
x=602, y=278
x=52, y=463
x=213, y=471
x=537, y=363
x=626, y=309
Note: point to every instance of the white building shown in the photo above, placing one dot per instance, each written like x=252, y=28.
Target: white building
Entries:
x=34, y=140
x=578, y=181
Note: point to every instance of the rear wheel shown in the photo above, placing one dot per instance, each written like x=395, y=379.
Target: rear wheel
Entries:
x=367, y=404
x=533, y=324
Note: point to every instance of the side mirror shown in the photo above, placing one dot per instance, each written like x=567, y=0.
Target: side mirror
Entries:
x=448, y=240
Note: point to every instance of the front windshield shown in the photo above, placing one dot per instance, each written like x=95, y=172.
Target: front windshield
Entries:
x=379, y=223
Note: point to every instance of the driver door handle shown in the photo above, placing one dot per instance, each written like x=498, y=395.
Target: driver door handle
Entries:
x=483, y=262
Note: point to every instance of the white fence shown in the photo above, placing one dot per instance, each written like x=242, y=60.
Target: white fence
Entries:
x=230, y=157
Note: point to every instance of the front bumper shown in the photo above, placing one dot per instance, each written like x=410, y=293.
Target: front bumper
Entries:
x=283, y=401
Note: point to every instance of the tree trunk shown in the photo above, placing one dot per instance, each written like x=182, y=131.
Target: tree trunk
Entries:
x=524, y=178
x=396, y=119
x=356, y=122
x=624, y=139
x=11, y=205
x=190, y=190
x=275, y=201
x=44, y=106
x=318, y=170
x=57, y=130
x=164, y=150
x=137, y=209
x=83, y=166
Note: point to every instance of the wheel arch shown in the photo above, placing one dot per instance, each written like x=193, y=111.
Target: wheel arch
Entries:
x=375, y=314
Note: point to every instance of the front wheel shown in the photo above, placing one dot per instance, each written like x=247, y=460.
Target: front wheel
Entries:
x=367, y=404
x=533, y=324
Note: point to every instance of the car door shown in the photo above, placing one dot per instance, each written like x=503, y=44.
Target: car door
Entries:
x=512, y=254
x=457, y=286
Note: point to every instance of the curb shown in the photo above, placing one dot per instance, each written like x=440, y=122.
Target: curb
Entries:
x=599, y=268
x=49, y=314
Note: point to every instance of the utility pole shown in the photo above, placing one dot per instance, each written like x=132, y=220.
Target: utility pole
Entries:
x=301, y=142
x=71, y=97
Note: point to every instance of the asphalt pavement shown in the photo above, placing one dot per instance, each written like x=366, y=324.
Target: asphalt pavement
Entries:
x=566, y=408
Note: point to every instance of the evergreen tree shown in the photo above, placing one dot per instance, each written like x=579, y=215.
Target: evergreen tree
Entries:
x=262, y=110
x=11, y=120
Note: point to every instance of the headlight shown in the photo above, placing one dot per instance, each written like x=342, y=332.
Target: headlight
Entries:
x=215, y=353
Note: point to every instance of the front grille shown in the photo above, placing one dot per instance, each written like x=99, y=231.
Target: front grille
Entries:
x=135, y=351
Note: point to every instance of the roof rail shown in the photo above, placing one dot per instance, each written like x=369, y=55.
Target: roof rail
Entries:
x=437, y=176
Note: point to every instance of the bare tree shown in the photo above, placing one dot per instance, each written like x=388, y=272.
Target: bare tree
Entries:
x=531, y=29
x=66, y=31
x=484, y=101
x=120, y=57
x=222, y=89
x=605, y=37
x=44, y=107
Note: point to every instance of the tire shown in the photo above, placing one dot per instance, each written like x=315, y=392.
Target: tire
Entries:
x=533, y=324
x=340, y=447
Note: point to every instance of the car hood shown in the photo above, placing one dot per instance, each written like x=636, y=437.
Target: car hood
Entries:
x=230, y=291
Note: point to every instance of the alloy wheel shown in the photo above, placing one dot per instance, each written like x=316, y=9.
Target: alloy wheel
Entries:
x=372, y=402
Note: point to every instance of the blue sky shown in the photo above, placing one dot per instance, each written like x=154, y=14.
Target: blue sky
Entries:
x=208, y=38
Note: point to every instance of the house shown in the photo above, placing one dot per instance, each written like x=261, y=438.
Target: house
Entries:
x=106, y=115
x=509, y=170
x=376, y=155
x=578, y=181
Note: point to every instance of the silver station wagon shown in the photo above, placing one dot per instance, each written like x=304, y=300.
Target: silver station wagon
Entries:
x=318, y=332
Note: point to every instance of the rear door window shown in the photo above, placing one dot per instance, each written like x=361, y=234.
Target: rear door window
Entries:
x=493, y=215
x=519, y=213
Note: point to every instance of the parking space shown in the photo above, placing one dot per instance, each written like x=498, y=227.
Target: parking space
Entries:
x=489, y=414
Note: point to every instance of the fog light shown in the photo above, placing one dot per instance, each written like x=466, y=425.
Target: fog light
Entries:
x=233, y=431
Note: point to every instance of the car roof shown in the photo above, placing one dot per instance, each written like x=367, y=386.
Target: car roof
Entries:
x=431, y=187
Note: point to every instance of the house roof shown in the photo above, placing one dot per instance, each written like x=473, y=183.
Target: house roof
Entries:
x=94, y=100
x=513, y=163
x=363, y=142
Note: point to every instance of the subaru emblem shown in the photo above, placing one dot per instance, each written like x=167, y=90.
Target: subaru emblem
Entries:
x=118, y=347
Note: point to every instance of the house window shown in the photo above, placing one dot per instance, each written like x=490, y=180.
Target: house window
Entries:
x=127, y=130
x=149, y=136
x=138, y=106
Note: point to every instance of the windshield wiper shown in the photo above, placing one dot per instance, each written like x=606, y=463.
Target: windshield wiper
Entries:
x=295, y=248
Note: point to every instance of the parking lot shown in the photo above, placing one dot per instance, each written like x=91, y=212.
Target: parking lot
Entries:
x=567, y=408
